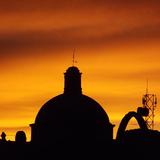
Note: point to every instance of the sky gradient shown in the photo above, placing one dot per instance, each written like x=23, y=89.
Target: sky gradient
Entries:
x=117, y=48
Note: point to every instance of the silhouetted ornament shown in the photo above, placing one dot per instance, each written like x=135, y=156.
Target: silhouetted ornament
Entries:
x=71, y=116
x=20, y=137
x=3, y=135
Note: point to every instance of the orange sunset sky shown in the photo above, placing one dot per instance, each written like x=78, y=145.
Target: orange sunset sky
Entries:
x=117, y=48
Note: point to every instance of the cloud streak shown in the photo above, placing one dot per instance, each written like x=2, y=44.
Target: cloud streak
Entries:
x=77, y=36
x=27, y=5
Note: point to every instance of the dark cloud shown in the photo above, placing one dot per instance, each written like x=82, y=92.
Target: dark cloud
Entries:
x=82, y=36
x=40, y=5
x=91, y=35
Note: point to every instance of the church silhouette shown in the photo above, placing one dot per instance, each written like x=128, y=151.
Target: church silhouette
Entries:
x=77, y=127
x=71, y=116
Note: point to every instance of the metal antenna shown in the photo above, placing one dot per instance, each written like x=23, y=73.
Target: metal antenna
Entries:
x=147, y=87
x=149, y=103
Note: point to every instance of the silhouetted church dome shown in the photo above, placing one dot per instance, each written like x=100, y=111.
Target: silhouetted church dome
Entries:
x=71, y=115
x=72, y=110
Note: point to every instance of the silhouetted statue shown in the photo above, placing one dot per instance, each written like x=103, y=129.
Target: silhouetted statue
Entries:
x=71, y=116
x=20, y=137
x=3, y=135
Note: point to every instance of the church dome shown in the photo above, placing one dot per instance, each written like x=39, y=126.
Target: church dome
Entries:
x=71, y=115
x=71, y=108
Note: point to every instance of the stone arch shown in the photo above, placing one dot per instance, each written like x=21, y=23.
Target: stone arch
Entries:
x=126, y=119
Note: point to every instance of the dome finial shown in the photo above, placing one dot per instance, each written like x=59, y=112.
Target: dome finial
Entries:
x=73, y=59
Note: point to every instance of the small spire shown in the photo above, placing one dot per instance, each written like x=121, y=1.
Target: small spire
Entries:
x=73, y=60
